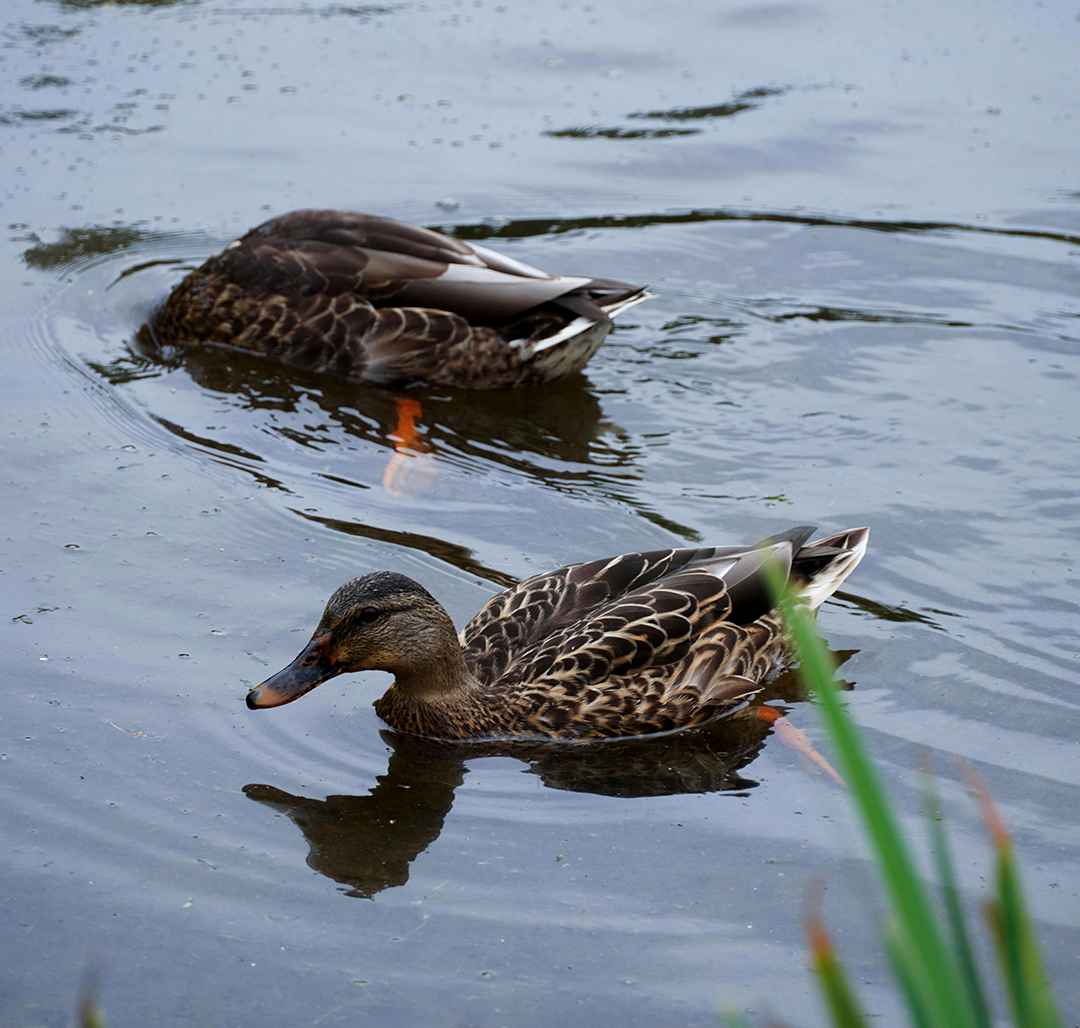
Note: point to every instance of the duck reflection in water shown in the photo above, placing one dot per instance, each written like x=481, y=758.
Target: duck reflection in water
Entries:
x=525, y=430
x=366, y=843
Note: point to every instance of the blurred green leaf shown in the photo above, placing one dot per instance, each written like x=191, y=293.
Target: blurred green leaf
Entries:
x=931, y=975
x=961, y=939
x=1027, y=984
x=839, y=996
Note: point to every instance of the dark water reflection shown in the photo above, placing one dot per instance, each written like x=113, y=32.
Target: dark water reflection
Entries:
x=747, y=100
x=562, y=421
x=556, y=435
x=521, y=228
x=449, y=553
x=368, y=842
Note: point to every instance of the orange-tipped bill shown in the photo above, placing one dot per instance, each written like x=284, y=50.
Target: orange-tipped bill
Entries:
x=312, y=667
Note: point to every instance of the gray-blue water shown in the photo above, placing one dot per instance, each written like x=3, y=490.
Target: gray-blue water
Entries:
x=863, y=224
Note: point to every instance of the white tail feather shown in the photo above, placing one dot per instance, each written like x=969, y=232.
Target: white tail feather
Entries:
x=830, y=578
x=613, y=310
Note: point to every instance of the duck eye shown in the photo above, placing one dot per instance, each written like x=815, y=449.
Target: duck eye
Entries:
x=368, y=614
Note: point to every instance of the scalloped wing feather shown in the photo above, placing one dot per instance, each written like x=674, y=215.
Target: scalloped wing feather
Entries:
x=645, y=642
x=650, y=627
x=512, y=622
x=543, y=605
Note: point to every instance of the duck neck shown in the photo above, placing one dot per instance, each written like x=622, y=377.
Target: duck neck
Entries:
x=440, y=677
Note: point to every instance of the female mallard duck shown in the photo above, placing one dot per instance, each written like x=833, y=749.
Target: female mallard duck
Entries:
x=644, y=642
x=378, y=300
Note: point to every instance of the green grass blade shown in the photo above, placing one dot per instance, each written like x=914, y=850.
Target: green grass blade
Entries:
x=89, y=1013
x=733, y=1019
x=933, y=975
x=961, y=938
x=835, y=986
x=905, y=971
x=1027, y=984
x=91, y=1016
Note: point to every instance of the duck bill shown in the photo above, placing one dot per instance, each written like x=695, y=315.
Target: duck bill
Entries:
x=311, y=668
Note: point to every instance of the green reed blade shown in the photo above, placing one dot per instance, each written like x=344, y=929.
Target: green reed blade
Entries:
x=89, y=1013
x=905, y=971
x=1027, y=984
x=839, y=996
x=961, y=938
x=932, y=973
x=92, y=1017
x=735, y=1020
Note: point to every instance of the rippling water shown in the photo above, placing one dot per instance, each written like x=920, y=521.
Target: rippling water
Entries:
x=865, y=316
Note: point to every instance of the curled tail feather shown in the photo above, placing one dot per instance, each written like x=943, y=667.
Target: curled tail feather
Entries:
x=823, y=564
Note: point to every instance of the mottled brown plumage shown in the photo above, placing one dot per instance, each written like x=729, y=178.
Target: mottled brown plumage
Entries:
x=377, y=300
x=639, y=643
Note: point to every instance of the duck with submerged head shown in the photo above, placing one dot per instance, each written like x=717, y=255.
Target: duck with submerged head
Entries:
x=378, y=300
x=631, y=645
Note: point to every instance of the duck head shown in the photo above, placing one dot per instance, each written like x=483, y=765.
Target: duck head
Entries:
x=379, y=622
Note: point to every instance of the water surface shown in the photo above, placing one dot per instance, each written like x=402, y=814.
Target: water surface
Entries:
x=864, y=229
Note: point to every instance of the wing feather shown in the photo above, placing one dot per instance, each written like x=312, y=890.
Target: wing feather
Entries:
x=379, y=259
x=644, y=642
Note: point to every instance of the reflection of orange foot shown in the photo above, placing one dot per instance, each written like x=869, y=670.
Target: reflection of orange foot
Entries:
x=796, y=738
x=411, y=471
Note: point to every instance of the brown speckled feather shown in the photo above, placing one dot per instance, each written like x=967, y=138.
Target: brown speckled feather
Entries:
x=378, y=300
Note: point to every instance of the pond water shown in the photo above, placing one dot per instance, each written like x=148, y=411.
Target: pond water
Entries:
x=863, y=225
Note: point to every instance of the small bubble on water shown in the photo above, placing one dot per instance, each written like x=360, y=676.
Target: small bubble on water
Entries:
x=448, y=204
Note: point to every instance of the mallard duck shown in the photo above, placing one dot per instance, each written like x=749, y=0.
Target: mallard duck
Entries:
x=639, y=643
x=377, y=300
